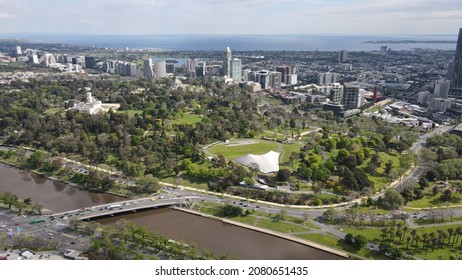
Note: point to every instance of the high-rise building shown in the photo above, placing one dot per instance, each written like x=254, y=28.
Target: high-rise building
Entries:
x=422, y=97
x=147, y=68
x=18, y=51
x=440, y=104
x=336, y=93
x=284, y=70
x=291, y=79
x=275, y=80
x=227, y=62
x=170, y=68
x=442, y=88
x=160, y=69
x=456, y=73
x=236, y=70
x=90, y=62
x=342, y=56
x=327, y=78
x=350, y=99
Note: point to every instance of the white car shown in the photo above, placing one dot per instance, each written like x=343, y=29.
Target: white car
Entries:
x=3, y=226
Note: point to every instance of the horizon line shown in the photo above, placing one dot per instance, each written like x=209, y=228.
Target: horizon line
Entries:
x=219, y=34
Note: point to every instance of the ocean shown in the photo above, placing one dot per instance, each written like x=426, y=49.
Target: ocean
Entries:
x=303, y=42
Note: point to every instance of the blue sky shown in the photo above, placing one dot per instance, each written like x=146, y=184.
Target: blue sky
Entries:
x=386, y=17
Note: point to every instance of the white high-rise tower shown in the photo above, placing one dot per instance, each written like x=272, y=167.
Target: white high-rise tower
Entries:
x=227, y=62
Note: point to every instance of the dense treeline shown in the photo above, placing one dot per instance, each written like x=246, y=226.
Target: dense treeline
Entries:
x=150, y=142
x=443, y=157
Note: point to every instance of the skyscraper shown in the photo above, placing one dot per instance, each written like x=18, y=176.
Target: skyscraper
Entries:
x=227, y=62
x=456, y=73
x=327, y=78
x=147, y=68
x=350, y=96
x=160, y=69
x=342, y=56
x=442, y=89
x=236, y=70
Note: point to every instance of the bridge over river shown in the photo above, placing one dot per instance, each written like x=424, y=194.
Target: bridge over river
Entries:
x=122, y=207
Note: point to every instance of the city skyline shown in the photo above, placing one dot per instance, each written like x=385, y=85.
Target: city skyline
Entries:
x=391, y=17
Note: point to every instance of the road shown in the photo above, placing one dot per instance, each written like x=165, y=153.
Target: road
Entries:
x=55, y=224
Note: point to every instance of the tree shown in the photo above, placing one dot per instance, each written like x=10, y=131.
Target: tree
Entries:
x=360, y=241
x=229, y=210
x=447, y=195
x=388, y=168
x=349, y=239
x=392, y=200
x=149, y=184
x=329, y=215
x=283, y=174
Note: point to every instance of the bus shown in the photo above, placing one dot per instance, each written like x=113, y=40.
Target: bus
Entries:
x=38, y=221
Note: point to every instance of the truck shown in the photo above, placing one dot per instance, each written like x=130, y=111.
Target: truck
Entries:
x=112, y=206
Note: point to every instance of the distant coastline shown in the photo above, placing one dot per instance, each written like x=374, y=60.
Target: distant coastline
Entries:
x=411, y=42
x=287, y=42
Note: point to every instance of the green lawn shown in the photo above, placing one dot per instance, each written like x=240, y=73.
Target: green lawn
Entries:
x=130, y=113
x=281, y=226
x=374, y=235
x=232, y=152
x=336, y=243
x=188, y=119
x=434, y=201
x=287, y=150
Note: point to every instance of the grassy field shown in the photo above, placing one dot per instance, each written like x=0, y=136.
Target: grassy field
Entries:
x=130, y=113
x=232, y=152
x=287, y=150
x=336, y=243
x=434, y=201
x=188, y=119
x=374, y=235
x=281, y=226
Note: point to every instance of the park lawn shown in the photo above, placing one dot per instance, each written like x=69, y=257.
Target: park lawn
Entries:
x=373, y=235
x=131, y=113
x=232, y=152
x=287, y=150
x=337, y=243
x=249, y=219
x=327, y=240
x=428, y=200
x=191, y=119
x=281, y=226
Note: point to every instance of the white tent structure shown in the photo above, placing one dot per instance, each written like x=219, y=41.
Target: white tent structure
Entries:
x=267, y=163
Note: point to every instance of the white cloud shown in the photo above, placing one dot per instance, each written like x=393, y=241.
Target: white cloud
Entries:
x=4, y=15
x=232, y=16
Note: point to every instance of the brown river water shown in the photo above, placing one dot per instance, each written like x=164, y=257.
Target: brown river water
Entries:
x=219, y=237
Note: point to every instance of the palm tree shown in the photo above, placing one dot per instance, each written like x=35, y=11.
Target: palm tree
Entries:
x=458, y=233
x=413, y=233
x=384, y=233
x=417, y=239
x=408, y=240
x=425, y=240
x=391, y=232
x=450, y=233
x=399, y=234
x=405, y=229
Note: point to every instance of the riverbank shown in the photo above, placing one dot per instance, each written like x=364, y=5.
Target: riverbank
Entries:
x=269, y=232
x=58, y=180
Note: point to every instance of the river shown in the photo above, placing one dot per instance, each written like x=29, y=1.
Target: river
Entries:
x=219, y=237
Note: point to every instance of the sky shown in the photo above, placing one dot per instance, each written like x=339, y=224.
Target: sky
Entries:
x=368, y=17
